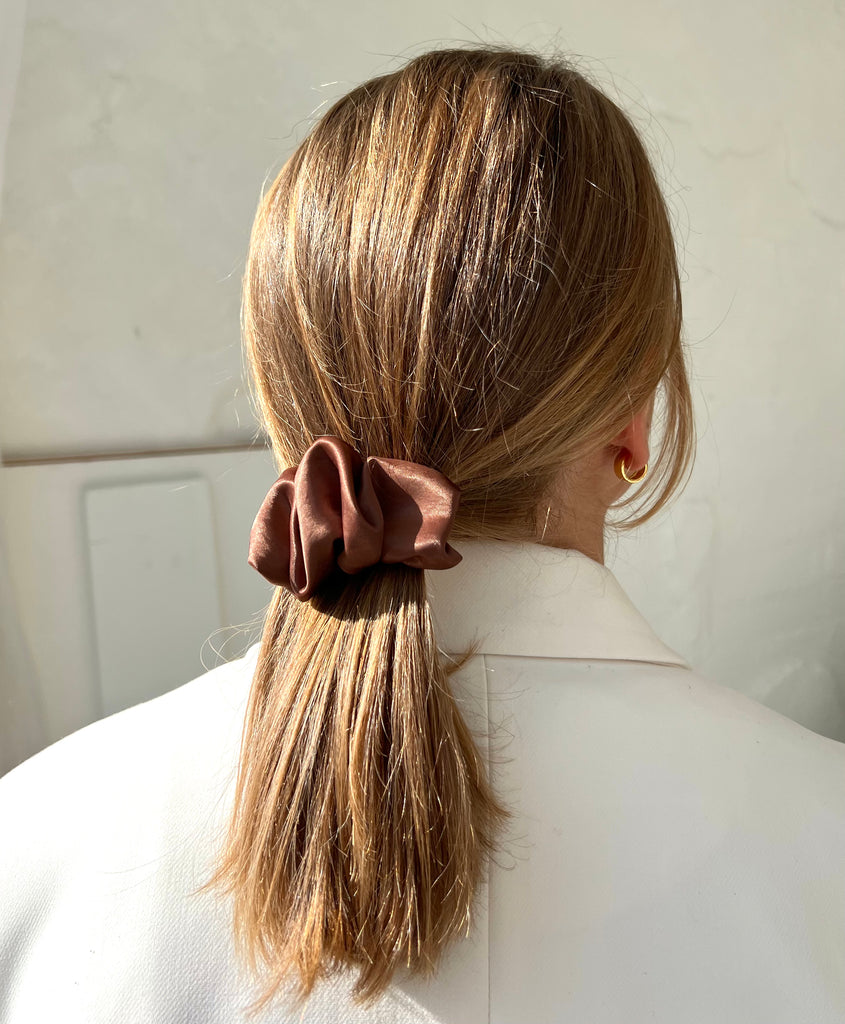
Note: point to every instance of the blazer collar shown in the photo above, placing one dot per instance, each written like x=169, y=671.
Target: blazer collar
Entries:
x=533, y=600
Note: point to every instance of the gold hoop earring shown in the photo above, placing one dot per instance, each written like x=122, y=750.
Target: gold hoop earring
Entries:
x=622, y=470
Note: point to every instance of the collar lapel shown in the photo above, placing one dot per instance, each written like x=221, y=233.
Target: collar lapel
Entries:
x=536, y=601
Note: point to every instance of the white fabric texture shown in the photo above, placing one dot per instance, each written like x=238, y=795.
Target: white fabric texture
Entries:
x=675, y=855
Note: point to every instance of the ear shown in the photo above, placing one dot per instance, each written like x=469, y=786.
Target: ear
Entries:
x=634, y=439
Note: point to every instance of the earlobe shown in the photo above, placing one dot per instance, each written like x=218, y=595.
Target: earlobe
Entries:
x=631, y=459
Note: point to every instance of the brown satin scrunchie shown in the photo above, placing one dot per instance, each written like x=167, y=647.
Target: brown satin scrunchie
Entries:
x=338, y=509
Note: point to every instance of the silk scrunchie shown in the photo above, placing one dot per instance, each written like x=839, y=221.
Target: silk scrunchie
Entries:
x=338, y=509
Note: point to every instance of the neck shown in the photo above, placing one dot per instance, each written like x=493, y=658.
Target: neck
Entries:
x=584, y=532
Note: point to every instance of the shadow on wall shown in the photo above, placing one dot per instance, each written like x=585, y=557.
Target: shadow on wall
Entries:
x=22, y=724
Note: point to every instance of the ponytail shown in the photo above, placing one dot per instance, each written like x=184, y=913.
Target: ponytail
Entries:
x=363, y=815
x=468, y=263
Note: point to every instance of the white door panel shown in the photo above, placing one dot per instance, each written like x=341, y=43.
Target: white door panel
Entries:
x=155, y=584
x=130, y=576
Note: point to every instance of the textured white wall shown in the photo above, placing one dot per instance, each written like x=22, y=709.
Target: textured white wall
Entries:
x=22, y=717
x=139, y=142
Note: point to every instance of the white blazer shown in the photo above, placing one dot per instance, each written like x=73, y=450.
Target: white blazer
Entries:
x=677, y=853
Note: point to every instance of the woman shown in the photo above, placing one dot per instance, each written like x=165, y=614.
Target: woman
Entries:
x=472, y=784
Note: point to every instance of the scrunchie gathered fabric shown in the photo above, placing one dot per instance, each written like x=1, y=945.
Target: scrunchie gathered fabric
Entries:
x=338, y=509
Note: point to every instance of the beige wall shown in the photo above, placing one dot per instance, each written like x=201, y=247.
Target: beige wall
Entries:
x=140, y=137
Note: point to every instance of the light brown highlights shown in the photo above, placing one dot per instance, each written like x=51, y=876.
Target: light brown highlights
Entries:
x=468, y=263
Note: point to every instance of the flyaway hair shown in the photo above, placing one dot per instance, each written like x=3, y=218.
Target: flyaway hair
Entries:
x=467, y=263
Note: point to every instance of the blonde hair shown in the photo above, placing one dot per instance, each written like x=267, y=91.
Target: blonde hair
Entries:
x=467, y=263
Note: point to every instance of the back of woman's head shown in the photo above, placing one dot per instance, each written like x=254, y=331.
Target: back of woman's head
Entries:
x=468, y=264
